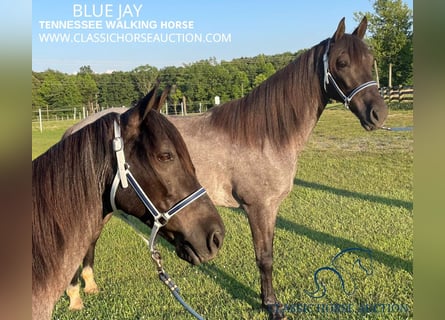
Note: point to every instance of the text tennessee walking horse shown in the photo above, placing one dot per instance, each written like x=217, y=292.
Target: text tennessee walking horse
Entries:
x=114, y=163
x=246, y=150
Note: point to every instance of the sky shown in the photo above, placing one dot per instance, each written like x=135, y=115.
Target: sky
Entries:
x=120, y=35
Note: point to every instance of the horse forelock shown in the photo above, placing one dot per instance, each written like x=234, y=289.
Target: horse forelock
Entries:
x=355, y=47
x=158, y=127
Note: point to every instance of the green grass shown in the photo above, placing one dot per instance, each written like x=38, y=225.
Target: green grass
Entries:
x=50, y=135
x=353, y=189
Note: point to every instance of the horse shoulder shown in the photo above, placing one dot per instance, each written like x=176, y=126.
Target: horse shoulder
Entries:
x=264, y=175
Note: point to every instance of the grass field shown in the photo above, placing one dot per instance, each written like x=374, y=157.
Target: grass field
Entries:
x=353, y=189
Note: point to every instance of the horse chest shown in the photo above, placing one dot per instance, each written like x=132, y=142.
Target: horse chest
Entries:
x=266, y=176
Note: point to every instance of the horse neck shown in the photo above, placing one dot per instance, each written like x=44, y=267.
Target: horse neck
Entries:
x=67, y=197
x=80, y=167
x=83, y=157
x=293, y=97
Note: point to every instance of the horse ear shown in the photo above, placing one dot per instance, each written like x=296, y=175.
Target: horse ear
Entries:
x=134, y=116
x=340, y=30
x=361, y=29
x=151, y=100
x=161, y=100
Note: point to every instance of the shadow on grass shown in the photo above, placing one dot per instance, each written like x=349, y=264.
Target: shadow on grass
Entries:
x=382, y=257
x=232, y=285
x=238, y=290
x=351, y=194
x=342, y=243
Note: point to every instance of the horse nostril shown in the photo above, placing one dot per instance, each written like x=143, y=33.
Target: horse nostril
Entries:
x=374, y=116
x=378, y=115
x=215, y=241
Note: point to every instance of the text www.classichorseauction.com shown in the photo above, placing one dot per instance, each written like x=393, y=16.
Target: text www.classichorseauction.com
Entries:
x=343, y=273
x=108, y=23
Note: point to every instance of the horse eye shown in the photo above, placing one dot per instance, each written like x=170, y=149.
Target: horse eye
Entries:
x=165, y=156
x=341, y=63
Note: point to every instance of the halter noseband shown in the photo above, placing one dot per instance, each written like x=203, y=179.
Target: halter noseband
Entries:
x=329, y=78
x=124, y=176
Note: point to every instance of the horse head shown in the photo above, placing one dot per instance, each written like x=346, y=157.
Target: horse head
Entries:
x=347, y=76
x=159, y=161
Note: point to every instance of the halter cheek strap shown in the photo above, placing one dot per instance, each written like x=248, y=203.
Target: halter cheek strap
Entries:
x=328, y=78
x=118, y=147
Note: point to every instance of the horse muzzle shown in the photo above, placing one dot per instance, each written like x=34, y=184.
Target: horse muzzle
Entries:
x=201, y=251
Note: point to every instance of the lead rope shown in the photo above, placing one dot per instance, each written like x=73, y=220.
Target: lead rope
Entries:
x=163, y=276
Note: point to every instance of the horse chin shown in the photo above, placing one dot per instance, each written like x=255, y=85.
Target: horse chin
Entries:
x=368, y=126
x=186, y=252
x=371, y=116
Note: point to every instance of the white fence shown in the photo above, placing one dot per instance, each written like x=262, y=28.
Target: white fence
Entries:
x=46, y=114
x=41, y=115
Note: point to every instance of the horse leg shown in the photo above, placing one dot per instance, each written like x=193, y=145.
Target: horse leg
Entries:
x=73, y=292
x=88, y=262
x=87, y=270
x=262, y=225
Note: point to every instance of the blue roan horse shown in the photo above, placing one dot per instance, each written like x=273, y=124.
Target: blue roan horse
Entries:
x=246, y=150
x=74, y=187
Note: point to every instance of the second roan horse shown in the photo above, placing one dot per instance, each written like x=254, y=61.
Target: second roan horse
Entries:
x=246, y=150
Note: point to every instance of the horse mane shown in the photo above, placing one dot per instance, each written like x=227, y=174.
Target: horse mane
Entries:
x=278, y=107
x=66, y=191
x=276, y=110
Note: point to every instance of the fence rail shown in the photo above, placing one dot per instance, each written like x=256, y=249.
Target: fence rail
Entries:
x=398, y=94
x=401, y=94
x=43, y=115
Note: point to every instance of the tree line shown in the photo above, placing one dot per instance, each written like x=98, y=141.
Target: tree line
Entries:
x=199, y=82
x=390, y=29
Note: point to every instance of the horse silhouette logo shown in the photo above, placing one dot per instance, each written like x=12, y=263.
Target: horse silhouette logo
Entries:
x=344, y=269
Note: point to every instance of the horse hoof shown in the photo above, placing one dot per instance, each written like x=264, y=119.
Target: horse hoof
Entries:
x=74, y=296
x=276, y=311
x=76, y=305
x=90, y=284
x=91, y=290
x=277, y=317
